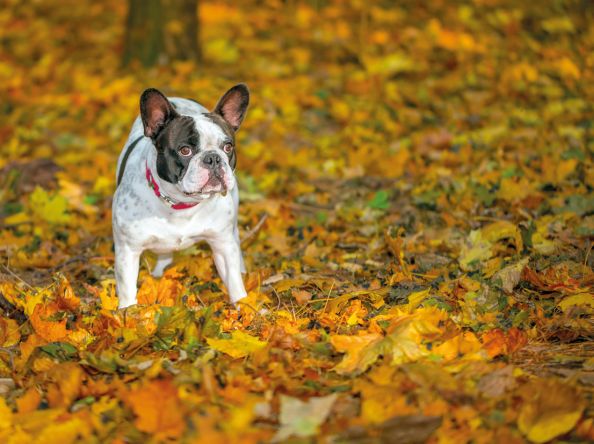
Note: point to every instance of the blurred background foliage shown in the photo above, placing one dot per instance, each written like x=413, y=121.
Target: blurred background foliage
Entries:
x=416, y=182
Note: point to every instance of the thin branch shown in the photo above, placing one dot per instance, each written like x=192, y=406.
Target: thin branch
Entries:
x=17, y=277
x=254, y=230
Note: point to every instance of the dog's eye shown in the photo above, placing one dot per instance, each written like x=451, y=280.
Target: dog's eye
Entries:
x=228, y=147
x=185, y=151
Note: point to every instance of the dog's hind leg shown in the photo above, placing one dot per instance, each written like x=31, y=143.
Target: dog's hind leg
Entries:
x=163, y=260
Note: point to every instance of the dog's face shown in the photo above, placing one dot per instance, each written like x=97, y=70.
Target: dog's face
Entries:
x=196, y=154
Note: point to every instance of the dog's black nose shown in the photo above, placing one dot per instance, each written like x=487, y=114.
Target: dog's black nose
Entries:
x=211, y=160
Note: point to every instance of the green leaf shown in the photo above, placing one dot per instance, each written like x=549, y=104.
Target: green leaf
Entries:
x=380, y=201
x=59, y=350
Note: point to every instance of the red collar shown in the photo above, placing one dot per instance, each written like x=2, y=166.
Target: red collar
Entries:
x=168, y=200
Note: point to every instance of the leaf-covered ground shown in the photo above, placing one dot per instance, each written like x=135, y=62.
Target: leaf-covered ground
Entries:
x=417, y=220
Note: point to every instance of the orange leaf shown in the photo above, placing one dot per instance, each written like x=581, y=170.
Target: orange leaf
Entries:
x=29, y=401
x=157, y=409
x=49, y=329
x=497, y=342
x=67, y=380
x=163, y=291
x=553, y=279
x=65, y=296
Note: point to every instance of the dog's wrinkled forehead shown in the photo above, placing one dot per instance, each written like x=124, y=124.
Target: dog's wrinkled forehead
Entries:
x=222, y=124
x=214, y=133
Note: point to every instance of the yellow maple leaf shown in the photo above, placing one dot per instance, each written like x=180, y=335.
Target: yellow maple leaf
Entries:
x=360, y=351
x=416, y=298
x=583, y=300
x=240, y=345
x=480, y=242
x=52, y=209
x=551, y=408
x=465, y=344
x=404, y=341
x=107, y=295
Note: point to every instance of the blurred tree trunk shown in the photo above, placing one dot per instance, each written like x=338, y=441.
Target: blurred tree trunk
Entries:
x=161, y=31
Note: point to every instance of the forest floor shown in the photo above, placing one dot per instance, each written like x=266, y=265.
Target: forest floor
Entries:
x=416, y=212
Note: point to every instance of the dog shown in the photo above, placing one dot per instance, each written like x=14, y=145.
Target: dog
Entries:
x=176, y=186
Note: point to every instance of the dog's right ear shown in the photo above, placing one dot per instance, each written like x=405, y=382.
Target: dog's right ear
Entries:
x=156, y=111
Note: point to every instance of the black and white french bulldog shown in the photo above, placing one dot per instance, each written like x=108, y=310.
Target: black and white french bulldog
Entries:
x=176, y=187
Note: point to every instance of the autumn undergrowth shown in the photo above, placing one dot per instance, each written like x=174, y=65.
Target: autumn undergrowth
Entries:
x=416, y=214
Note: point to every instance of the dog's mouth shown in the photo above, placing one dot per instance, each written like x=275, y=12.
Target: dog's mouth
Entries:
x=214, y=185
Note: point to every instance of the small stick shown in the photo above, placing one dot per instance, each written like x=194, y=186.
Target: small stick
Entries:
x=16, y=276
x=254, y=230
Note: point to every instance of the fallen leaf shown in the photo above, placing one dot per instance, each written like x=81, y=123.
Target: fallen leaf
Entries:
x=52, y=209
x=479, y=246
x=583, y=300
x=507, y=278
x=550, y=409
x=360, y=351
x=5, y=415
x=238, y=346
x=157, y=408
x=9, y=332
x=302, y=418
x=497, y=342
x=496, y=383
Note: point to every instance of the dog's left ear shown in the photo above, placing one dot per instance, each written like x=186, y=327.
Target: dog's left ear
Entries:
x=156, y=112
x=233, y=105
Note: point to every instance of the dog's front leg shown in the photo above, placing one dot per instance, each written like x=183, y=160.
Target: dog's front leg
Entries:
x=126, y=271
x=236, y=236
x=227, y=256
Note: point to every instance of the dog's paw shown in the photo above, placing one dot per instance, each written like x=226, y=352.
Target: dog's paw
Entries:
x=123, y=305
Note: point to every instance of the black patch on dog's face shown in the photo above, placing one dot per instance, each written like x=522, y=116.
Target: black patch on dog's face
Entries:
x=180, y=132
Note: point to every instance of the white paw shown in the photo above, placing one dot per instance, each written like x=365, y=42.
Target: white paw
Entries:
x=124, y=304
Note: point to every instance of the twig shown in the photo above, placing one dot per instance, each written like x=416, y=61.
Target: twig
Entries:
x=254, y=230
x=77, y=258
x=309, y=207
x=328, y=297
x=17, y=277
x=588, y=254
x=277, y=298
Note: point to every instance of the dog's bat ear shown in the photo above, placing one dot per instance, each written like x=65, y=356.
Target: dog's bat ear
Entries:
x=233, y=105
x=156, y=111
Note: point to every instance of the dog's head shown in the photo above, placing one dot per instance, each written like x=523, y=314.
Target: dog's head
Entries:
x=195, y=153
